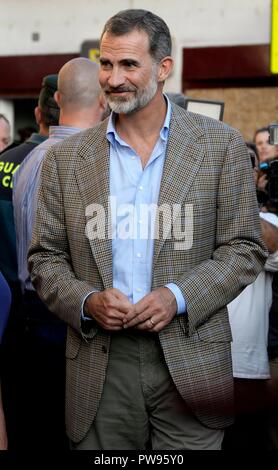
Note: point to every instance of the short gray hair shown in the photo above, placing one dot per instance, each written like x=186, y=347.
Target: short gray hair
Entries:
x=155, y=27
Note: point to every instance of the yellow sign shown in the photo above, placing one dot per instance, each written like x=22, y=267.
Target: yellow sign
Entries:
x=94, y=55
x=90, y=49
x=274, y=38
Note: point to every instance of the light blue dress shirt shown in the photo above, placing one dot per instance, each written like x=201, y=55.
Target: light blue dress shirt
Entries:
x=132, y=190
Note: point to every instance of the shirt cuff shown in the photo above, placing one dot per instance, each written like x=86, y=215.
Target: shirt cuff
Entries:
x=181, y=302
x=85, y=317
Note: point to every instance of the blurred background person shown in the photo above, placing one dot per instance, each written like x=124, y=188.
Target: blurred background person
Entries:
x=46, y=114
x=81, y=106
x=249, y=320
x=269, y=204
x=266, y=186
x=273, y=353
x=24, y=134
x=13, y=377
x=5, y=303
x=265, y=150
x=5, y=132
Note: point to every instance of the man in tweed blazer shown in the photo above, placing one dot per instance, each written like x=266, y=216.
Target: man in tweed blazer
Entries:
x=148, y=349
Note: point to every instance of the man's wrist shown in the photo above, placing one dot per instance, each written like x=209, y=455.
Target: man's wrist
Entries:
x=180, y=300
x=85, y=311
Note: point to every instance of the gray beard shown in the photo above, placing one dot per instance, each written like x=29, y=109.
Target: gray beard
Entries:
x=136, y=102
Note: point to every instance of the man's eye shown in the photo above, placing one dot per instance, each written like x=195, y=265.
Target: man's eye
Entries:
x=105, y=65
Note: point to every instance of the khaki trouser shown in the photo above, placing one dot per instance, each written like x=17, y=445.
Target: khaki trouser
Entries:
x=140, y=407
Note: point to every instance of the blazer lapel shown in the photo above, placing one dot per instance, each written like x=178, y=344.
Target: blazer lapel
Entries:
x=183, y=159
x=92, y=174
x=184, y=156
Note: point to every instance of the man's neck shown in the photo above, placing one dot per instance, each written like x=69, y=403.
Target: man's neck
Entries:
x=81, y=119
x=43, y=130
x=141, y=129
x=145, y=123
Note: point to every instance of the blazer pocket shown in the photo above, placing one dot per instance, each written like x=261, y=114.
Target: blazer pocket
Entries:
x=216, y=333
x=183, y=322
x=73, y=344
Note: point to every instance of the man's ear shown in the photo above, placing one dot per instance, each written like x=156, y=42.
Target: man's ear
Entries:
x=57, y=97
x=103, y=107
x=165, y=67
x=38, y=115
x=102, y=102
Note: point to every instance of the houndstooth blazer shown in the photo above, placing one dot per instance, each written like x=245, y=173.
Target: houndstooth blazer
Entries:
x=206, y=165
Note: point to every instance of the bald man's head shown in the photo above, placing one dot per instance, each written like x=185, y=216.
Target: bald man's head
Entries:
x=78, y=85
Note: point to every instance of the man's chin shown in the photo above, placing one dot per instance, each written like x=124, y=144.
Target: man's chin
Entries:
x=122, y=106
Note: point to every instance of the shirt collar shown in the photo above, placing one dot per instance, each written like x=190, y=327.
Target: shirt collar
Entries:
x=113, y=136
x=60, y=131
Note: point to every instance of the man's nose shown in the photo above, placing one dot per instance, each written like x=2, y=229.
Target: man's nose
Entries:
x=116, y=78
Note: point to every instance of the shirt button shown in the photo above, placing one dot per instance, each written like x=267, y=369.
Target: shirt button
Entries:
x=133, y=158
x=140, y=221
x=141, y=188
x=138, y=289
x=139, y=255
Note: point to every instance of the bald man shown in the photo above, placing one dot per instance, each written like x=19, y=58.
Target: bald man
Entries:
x=81, y=106
x=5, y=132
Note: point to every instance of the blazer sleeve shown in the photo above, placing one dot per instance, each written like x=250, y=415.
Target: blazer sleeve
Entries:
x=239, y=253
